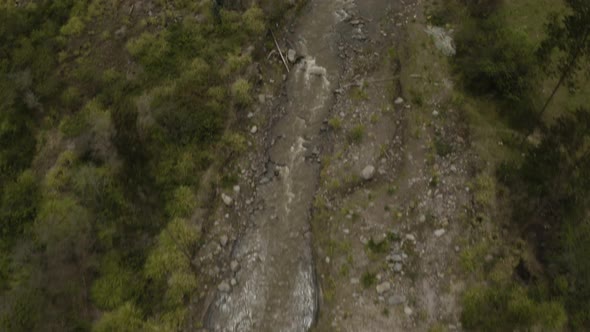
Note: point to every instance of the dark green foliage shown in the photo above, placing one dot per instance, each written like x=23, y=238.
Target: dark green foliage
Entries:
x=368, y=279
x=121, y=149
x=508, y=308
x=495, y=60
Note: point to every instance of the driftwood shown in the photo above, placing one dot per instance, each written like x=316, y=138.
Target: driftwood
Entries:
x=280, y=52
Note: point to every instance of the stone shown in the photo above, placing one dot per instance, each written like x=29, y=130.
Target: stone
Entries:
x=291, y=55
x=396, y=300
x=354, y=281
x=398, y=267
x=261, y=98
x=223, y=240
x=453, y=168
x=227, y=200
x=422, y=218
x=368, y=172
x=236, y=189
x=439, y=232
x=379, y=238
x=408, y=311
x=399, y=101
x=383, y=287
x=396, y=258
x=234, y=266
x=434, y=113
x=254, y=130
x=233, y=282
x=224, y=287
x=410, y=237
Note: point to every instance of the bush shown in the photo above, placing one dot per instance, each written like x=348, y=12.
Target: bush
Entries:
x=240, y=91
x=495, y=60
x=508, y=308
x=356, y=135
x=125, y=319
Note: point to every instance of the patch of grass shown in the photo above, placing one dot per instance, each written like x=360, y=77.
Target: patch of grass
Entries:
x=391, y=190
x=416, y=98
x=356, y=134
x=335, y=123
x=472, y=258
x=368, y=279
x=434, y=180
x=377, y=248
x=358, y=94
x=442, y=146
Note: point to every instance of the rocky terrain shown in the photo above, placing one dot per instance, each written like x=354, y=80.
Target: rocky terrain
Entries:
x=350, y=211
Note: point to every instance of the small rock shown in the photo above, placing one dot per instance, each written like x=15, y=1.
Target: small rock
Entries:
x=439, y=232
x=396, y=300
x=398, y=267
x=234, y=266
x=399, y=101
x=410, y=237
x=233, y=282
x=254, y=130
x=435, y=113
x=396, y=258
x=236, y=189
x=453, y=168
x=224, y=287
x=408, y=311
x=354, y=281
x=383, y=287
x=291, y=55
x=368, y=172
x=380, y=238
x=261, y=98
x=422, y=218
x=223, y=240
x=327, y=260
x=226, y=199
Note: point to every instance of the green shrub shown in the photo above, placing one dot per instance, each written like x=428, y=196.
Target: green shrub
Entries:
x=127, y=318
x=508, y=308
x=254, y=20
x=74, y=27
x=493, y=59
x=356, y=135
x=183, y=203
x=240, y=91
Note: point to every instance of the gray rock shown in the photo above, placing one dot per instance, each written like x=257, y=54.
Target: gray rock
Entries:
x=408, y=311
x=383, y=287
x=254, y=130
x=223, y=240
x=396, y=300
x=368, y=172
x=224, y=287
x=439, y=232
x=399, y=101
x=261, y=98
x=236, y=189
x=233, y=282
x=234, y=266
x=227, y=200
x=410, y=237
x=379, y=238
x=398, y=267
x=396, y=258
x=291, y=55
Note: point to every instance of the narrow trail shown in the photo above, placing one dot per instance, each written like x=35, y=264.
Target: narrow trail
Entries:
x=277, y=289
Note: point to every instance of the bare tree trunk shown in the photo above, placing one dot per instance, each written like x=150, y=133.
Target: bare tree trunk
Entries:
x=565, y=73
